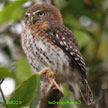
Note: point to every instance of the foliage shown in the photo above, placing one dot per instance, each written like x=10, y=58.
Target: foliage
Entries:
x=4, y=72
x=11, y=10
x=25, y=92
x=88, y=19
x=22, y=70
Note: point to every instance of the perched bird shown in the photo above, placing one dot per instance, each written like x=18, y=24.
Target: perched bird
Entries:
x=48, y=43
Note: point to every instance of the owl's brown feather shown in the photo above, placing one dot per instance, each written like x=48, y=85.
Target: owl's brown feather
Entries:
x=64, y=38
x=48, y=43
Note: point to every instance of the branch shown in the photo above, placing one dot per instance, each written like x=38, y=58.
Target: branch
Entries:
x=16, y=51
x=2, y=94
x=1, y=80
x=9, y=39
x=50, y=91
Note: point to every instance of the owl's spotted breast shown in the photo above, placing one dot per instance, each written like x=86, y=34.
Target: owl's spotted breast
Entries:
x=41, y=54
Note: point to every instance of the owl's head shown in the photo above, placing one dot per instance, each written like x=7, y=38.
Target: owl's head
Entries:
x=42, y=12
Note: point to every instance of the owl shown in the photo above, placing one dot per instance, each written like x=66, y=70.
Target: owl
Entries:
x=48, y=43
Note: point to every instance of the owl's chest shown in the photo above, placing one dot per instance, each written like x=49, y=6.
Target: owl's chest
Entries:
x=41, y=53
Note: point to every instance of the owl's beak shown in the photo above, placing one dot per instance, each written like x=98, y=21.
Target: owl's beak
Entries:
x=32, y=19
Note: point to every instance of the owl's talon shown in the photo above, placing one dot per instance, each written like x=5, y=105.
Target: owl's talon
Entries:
x=47, y=73
x=56, y=86
x=50, y=76
x=42, y=77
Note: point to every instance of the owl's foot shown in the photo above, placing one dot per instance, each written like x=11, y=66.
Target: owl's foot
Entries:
x=56, y=86
x=48, y=74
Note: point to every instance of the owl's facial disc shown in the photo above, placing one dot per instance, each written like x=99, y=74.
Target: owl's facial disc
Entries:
x=42, y=12
x=39, y=15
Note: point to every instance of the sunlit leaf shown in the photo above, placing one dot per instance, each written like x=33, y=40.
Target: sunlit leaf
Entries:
x=59, y=4
x=72, y=22
x=24, y=93
x=22, y=70
x=83, y=38
x=4, y=72
x=12, y=11
x=36, y=99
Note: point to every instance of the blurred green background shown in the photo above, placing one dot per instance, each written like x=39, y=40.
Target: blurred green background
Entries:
x=88, y=19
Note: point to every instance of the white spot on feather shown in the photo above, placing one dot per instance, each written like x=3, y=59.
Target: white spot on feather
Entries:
x=76, y=50
x=64, y=42
x=65, y=33
x=63, y=38
x=61, y=42
x=76, y=58
x=78, y=55
x=51, y=34
x=72, y=53
x=66, y=48
x=82, y=62
x=57, y=36
x=70, y=46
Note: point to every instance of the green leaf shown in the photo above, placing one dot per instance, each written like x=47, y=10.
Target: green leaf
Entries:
x=12, y=12
x=83, y=38
x=77, y=8
x=1, y=106
x=36, y=99
x=97, y=3
x=25, y=107
x=22, y=70
x=59, y=4
x=4, y=72
x=24, y=93
x=72, y=22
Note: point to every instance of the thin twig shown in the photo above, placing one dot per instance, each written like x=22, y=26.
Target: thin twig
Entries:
x=2, y=94
x=1, y=80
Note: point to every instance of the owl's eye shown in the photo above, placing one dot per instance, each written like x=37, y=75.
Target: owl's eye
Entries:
x=41, y=14
x=27, y=15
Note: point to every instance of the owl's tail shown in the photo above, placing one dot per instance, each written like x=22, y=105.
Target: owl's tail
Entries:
x=86, y=92
x=82, y=87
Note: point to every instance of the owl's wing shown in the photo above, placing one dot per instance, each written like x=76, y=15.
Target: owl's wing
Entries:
x=64, y=38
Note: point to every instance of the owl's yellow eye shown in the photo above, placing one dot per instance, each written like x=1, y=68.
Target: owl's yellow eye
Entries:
x=41, y=14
